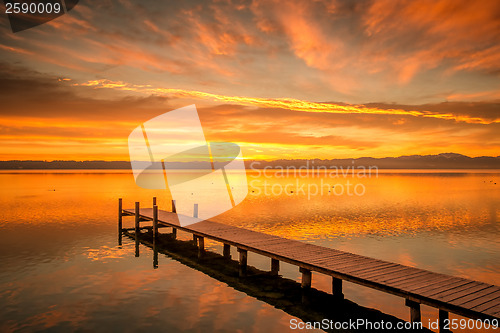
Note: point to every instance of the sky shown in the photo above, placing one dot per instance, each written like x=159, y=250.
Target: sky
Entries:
x=295, y=79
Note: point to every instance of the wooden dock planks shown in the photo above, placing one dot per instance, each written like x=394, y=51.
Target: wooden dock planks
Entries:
x=462, y=296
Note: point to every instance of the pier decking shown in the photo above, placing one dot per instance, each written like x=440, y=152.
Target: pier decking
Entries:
x=457, y=295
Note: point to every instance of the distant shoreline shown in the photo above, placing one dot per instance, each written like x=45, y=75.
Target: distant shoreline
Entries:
x=446, y=161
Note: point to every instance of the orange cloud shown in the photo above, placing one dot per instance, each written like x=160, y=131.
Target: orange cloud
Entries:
x=15, y=50
x=282, y=103
x=426, y=34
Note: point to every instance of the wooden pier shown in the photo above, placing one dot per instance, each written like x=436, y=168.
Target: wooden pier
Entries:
x=468, y=298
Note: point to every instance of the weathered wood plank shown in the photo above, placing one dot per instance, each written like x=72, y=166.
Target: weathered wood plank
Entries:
x=423, y=277
x=414, y=276
x=494, y=311
x=424, y=289
x=462, y=300
x=437, y=279
x=446, y=287
x=378, y=265
x=482, y=300
x=463, y=291
x=392, y=270
x=488, y=305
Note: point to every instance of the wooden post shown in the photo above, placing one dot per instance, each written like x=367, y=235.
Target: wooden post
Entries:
x=154, y=201
x=174, y=233
x=415, y=315
x=275, y=266
x=443, y=317
x=243, y=262
x=195, y=240
x=306, y=284
x=227, y=251
x=137, y=217
x=136, y=245
x=120, y=215
x=155, y=222
x=201, y=247
x=306, y=278
x=120, y=221
x=155, y=256
x=174, y=209
x=195, y=212
x=155, y=236
x=337, y=288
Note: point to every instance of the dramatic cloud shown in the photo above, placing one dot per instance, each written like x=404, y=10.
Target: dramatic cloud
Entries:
x=296, y=79
x=307, y=106
x=49, y=117
x=355, y=52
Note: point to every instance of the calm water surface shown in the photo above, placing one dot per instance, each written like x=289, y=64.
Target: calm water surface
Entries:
x=62, y=269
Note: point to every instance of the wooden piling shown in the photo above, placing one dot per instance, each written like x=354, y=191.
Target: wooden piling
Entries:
x=275, y=266
x=195, y=240
x=154, y=201
x=120, y=220
x=155, y=222
x=137, y=217
x=136, y=245
x=443, y=318
x=174, y=233
x=195, y=211
x=337, y=288
x=120, y=215
x=174, y=209
x=415, y=314
x=227, y=251
x=243, y=262
x=306, y=284
x=155, y=256
x=306, y=278
x=201, y=247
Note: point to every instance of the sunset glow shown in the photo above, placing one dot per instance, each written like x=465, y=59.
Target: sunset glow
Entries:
x=341, y=81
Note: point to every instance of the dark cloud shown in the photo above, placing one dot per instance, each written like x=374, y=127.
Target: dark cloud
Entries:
x=30, y=94
x=355, y=51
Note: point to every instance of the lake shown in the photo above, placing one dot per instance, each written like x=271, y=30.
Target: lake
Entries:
x=63, y=270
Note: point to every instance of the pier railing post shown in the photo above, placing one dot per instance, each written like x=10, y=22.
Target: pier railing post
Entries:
x=275, y=266
x=337, y=288
x=415, y=315
x=243, y=262
x=227, y=251
x=155, y=222
x=154, y=201
x=174, y=209
x=137, y=217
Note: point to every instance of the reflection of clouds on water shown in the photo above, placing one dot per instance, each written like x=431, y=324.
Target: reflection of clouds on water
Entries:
x=105, y=253
x=61, y=263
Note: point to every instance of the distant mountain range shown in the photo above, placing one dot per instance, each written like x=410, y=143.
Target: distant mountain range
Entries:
x=440, y=161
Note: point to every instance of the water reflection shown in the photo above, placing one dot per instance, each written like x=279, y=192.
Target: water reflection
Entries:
x=62, y=269
x=306, y=304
